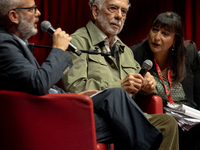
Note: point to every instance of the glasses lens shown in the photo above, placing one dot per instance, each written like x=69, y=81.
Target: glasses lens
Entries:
x=35, y=8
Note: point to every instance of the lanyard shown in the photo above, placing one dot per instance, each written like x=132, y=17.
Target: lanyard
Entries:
x=169, y=77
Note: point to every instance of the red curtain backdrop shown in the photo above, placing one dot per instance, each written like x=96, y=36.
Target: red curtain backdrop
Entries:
x=73, y=14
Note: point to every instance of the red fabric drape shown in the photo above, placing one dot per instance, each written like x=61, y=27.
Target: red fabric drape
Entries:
x=196, y=20
x=68, y=15
x=73, y=14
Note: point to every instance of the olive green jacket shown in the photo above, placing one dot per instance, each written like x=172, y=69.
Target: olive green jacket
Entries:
x=96, y=72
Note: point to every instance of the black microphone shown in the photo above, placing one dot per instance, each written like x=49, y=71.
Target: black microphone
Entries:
x=146, y=66
x=46, y=26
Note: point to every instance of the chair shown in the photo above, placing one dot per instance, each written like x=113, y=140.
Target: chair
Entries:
x=151, y=104
x=50, y=122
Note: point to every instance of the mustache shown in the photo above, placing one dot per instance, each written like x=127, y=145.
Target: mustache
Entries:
x=118, y=22
x=37, y=20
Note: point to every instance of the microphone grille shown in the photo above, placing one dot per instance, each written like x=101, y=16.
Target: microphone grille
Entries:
x=147, y=64
x=45, y=25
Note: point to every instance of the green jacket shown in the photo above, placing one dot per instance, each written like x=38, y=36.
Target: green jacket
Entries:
x=96, y=72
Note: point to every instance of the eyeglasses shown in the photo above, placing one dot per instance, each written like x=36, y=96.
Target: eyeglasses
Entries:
x=32, y=9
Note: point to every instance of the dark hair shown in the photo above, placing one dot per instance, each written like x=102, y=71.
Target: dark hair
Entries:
x=172, y=22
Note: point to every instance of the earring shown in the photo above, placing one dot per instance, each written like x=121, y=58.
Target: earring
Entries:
x=173, y=48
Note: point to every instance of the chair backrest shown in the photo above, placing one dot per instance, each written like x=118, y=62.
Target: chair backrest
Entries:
x=49, y=122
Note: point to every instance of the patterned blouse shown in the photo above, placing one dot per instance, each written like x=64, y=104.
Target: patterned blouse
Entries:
x=177, y=92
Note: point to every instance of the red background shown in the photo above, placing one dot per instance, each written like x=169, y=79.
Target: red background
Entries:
x=73, y=14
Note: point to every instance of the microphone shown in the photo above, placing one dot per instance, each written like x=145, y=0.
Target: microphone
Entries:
x=146, y=66
x=46, y=26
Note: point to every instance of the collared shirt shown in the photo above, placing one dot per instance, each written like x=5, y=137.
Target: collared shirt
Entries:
x=24, y=43
x=107, y=41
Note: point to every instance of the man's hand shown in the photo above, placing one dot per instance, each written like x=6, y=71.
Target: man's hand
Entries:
x=61, y=39
x=149, y=83
x=132, y=83
x=89, y=92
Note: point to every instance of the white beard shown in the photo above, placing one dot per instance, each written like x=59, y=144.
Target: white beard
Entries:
x=105, y=25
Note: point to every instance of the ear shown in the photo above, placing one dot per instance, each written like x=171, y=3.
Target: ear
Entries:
x=95, y=11
x=13, y=16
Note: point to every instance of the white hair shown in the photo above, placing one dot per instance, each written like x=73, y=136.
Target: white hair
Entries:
x=100, y=2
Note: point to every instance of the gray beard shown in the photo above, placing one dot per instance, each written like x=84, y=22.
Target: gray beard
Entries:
x=26, y=29
x=107, y=27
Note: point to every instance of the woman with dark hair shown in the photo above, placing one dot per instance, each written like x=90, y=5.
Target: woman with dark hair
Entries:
x=176, y=68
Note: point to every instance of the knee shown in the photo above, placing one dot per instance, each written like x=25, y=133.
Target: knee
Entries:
x=167, y=119
x=169, y=123
x=119, y=92
x=164, y=122
x=170, y=120
x=116, y=90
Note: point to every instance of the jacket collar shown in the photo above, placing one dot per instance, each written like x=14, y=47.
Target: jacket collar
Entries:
x=2, y=29
x=97, y=38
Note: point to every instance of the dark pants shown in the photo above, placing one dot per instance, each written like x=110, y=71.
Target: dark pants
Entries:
x=190, y=140
x=129, y=128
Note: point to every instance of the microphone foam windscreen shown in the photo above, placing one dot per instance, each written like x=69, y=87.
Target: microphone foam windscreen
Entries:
x=147, y=64
x=45, y=25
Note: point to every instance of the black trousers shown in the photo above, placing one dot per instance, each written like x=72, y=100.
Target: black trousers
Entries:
x=118, y=119
x=190, y=140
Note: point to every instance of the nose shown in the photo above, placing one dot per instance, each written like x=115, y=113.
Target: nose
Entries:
x=38, y=13
x=157, y=36
x=119, y=14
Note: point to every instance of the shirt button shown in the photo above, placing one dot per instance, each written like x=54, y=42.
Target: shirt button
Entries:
x=100, y=61
x=102, y=88
x=112, y=65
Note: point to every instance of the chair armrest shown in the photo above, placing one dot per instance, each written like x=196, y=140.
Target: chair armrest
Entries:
x=151, y=104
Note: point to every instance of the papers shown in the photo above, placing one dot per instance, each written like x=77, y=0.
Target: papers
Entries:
x=185, y=116
x=98, y=93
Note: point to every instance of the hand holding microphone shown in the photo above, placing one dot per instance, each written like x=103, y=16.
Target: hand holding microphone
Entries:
x=146, y=66
x=149, y=81
x=46, y=26
x=61, y=39
x=133, y=82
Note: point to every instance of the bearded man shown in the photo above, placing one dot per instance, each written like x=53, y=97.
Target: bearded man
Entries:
x=96, y=72
x=19, y=70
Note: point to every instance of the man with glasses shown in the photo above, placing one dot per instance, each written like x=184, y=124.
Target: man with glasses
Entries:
x=19, y=69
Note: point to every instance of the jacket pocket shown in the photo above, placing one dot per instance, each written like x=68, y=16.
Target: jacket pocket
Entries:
x=96, y=67
x=130, y=67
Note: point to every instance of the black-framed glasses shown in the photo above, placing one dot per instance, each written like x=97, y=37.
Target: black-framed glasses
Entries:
x=32, y=9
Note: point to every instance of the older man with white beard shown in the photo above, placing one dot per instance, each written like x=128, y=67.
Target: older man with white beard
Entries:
x=96, y=72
